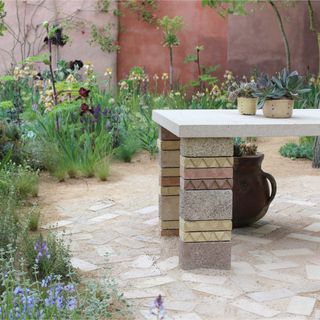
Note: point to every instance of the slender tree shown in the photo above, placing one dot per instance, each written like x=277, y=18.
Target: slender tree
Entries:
x=315, y=28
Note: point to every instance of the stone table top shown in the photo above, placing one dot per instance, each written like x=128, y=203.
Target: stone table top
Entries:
x=230, y=123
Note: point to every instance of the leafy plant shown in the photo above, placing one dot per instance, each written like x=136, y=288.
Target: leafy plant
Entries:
x=295, y=151
x=103, y=38
x=170, y=28
x=287, y=85
x=241, y=89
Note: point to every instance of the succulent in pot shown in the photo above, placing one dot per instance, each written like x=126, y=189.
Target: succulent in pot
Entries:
x=276, y=95
x=243, y=93
x=252, y=194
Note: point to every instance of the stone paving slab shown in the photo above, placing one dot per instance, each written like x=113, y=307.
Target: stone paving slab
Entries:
x=275, y=263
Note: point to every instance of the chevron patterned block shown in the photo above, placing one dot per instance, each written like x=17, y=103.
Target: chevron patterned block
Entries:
x=169, y=191
x=216, y=162
x=206, y=184
x=208, y=173
x=170, y=172
x=205, y=225
x=172, y=224
x=210, y=236
x=168, y=145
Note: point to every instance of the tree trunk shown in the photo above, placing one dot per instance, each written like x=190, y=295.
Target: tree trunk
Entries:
x=283, y=34
x=316, y=153
x=171, y=69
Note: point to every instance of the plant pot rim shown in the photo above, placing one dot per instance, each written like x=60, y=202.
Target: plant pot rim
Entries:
x=279, y=99
x=257, y=155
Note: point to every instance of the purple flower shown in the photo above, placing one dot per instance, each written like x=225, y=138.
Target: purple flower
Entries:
x=83, y=92
x=71, y=303
x=42, y=250
x=157, y=307
x=105, y=111
x=69, y=288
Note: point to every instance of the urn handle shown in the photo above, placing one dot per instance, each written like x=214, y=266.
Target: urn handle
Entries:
x=273, y=184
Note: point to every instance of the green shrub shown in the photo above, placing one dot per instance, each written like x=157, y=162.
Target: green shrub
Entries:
x=33, y=220
x=102, y=169
x=128, y=148
x=51, y=255
x=295, y=151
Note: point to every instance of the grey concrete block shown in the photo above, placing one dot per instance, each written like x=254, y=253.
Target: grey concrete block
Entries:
x=215, y=255
x=206, y=147
x=206, y=204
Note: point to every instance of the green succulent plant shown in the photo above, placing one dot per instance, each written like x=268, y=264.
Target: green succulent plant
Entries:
x=284, y=85
x=241, y=89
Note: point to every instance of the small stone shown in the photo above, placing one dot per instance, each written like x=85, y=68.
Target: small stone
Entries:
x=147, y=210
x=275, y=294
x=229, y=293
x=301, y=305
x=242, y=267
x=57, y=224
x=313, y=272
x=277, y=265
x=83, y=265
x=140, y=273
x=193, y=277
x=168, y=264
x=292, y=252
x=302, y=236
x=255, y=308
x=140, y=294
x=314, y=227
x=102, y=205
x=104, y=217
x=143, y=261
x=154, y=282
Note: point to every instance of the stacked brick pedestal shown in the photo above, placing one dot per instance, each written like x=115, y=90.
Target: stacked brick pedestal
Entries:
x=206, y=170
x=169, y=146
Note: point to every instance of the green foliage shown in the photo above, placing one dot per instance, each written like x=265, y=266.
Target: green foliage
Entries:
x=170, y=28
x=241, y=89
x=2, y=15
x=128, y=147
x=295, y=151
x=33, y=220
x=145, y=10
x=103, y=38
x=225, y=7
x=103, y=5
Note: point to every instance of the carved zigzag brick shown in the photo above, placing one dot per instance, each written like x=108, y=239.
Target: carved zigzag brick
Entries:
x=205, y=236
x=216, y=162
x=206, y=184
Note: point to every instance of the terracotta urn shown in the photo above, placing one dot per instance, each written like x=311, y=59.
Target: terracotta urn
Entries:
x=252, y=194
x=247, y=106
x=281, y=108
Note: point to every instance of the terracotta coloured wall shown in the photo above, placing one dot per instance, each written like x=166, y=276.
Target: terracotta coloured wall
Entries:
x=141, y=43
x=255, y=40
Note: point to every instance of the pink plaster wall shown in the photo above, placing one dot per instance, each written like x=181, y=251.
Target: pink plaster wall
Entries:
x=55, y=10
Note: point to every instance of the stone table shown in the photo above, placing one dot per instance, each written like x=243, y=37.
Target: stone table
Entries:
x=196, y=175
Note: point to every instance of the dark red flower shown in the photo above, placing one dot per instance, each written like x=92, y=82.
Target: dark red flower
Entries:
x=84, y=93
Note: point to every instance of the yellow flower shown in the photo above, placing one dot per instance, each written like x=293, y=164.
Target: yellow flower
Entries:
x=164, y=76
x=71, y=78
x=108, y=72
x=155, y=77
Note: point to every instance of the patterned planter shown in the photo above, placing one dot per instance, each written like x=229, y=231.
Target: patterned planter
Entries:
x=247, y=106
x=282, y=108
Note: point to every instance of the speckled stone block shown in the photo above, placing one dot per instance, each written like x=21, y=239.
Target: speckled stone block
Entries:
x=169, y=181
x=215, y=255
x=210, y=173
x=206, y=204
x=169, y=159
x=206, y=147
x=206, y=184
x=169, y=145
x=169, y=207
x=170, y=172
x=166, y=135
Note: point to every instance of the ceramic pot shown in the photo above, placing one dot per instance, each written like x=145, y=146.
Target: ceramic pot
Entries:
x=247, y=106
x=282, y=108
x=252, y=195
